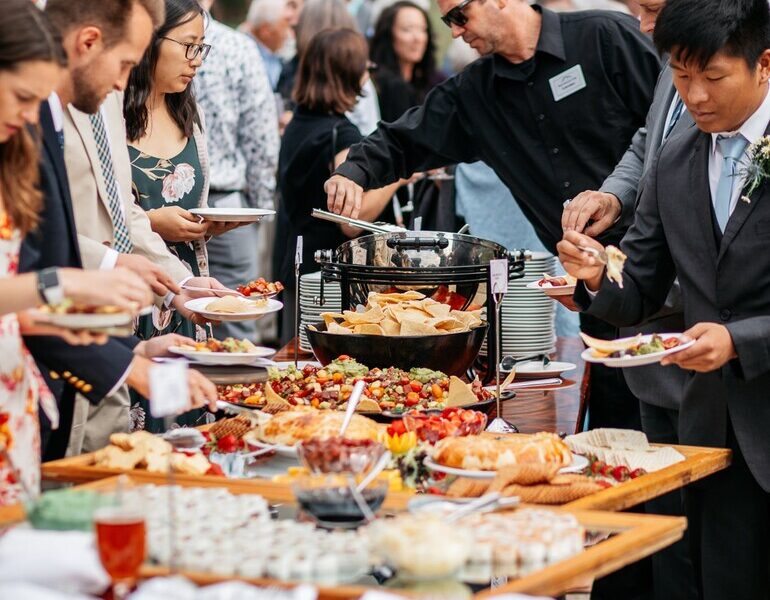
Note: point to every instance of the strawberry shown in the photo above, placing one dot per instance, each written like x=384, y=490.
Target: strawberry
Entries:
x=227, y=444
x=637, y=473
x=620, y=473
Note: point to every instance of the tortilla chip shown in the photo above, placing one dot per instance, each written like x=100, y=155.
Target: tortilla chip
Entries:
x=417, y=328
x=438, y=310
x=272, y=397
x=402, y=314
x=376, y=298
x=373, y=315
x=449, y=324
x=607, y=347
x=338, y=329
x=368, y=405
x=368, y=329
x=390, y=326
x=460, y=393
x=471, y=318
x=328, y=317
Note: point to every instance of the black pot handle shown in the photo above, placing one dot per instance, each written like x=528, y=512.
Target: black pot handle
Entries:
x=407, y=243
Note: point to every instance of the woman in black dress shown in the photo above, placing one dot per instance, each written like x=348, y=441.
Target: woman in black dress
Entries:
x=331, y=73
x=403, y=50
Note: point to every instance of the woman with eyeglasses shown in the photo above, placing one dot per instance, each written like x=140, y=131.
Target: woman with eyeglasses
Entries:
x=167, y=147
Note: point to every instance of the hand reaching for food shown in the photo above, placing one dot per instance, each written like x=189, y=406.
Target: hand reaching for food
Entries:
x=585, y=258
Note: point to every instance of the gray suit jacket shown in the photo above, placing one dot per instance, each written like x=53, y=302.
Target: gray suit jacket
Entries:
x=653, y=385
x=727, y=283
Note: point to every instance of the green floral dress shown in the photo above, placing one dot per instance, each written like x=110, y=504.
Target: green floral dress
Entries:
x=157, y=183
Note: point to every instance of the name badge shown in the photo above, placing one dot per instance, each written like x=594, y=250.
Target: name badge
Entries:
x=567, y=83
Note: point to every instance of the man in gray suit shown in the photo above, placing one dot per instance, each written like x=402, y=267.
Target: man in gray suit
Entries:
x=696, y=219
x=659, y=390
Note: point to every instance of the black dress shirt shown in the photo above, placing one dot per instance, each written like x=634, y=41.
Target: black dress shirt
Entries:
x=505, y=114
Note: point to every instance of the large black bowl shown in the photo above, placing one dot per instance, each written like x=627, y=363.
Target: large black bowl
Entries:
x=450, y=353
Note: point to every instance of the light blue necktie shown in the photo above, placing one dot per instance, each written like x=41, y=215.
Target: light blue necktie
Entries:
x=732, y=149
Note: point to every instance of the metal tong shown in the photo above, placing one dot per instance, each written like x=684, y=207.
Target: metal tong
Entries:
x=366, y=225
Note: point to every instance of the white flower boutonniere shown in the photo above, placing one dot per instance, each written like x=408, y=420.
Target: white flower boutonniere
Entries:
x=758, y=168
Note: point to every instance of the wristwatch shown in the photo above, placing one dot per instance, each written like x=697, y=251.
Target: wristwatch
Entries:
x=49, y=287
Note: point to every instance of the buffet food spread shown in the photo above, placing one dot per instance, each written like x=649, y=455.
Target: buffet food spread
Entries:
x=329, y=387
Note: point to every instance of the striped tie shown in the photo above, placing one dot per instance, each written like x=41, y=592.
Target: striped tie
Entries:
x=122, y=239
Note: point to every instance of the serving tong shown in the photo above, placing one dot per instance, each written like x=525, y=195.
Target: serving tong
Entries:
x=365, y=225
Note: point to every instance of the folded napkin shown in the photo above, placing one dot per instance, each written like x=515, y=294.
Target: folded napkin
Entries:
x=180, y=588
x=66, y=561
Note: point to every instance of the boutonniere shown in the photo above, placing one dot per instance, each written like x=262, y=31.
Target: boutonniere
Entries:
x=758, y=168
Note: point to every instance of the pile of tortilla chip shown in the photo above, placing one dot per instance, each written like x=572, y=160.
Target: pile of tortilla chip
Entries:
x=402, y=314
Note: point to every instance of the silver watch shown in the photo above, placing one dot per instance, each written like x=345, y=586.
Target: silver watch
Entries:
x=49, y=286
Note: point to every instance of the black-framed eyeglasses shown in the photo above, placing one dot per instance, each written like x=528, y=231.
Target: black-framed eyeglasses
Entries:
x=192, y=51
x=456, y=15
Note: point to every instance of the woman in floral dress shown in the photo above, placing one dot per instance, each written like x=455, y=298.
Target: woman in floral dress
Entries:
x=30, y=59
x=169, y=158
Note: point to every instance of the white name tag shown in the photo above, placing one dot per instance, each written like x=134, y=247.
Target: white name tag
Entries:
x=567, y=83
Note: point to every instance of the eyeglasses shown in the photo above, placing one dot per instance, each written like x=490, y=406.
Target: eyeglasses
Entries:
x=456, y=15
x=192, y=51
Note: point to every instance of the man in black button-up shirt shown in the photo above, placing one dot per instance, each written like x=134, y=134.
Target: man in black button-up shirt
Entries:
x=552, y=110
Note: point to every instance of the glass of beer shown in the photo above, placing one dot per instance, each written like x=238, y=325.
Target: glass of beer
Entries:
x=120, y=536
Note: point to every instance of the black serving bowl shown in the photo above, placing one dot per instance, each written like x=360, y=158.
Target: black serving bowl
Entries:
x=450, y=353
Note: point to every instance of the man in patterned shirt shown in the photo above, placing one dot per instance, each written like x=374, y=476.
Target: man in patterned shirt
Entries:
x=242, y=132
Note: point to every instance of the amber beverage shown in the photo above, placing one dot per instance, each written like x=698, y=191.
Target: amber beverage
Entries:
x=120, y=536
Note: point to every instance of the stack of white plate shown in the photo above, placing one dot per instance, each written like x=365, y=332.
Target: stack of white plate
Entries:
x=310, y=308
x=529, y=316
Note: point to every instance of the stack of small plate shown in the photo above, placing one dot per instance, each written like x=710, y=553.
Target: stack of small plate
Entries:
x=529, y=316
x=310, y=303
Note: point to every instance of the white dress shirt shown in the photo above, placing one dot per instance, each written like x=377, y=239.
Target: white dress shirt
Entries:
x=753, y=130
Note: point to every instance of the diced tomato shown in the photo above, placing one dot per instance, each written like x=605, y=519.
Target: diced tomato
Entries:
x=343, y=357
x=397, y=428
x=412, y=399
x=416, y=386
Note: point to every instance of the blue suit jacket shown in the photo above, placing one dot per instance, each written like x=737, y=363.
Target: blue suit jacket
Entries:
x=91, y=370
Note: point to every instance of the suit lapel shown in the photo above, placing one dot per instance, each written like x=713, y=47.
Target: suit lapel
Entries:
x=56, y=156
x=82, y=124
x=739, y=217
x=701, y=192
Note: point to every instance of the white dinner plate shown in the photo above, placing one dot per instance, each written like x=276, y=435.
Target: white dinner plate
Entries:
x=232, y=215
x=578, y=464
x=199, y=306
x=223, y=358
x=552, y=290
x=88, y=322
x=638, y=361
x=535, y=369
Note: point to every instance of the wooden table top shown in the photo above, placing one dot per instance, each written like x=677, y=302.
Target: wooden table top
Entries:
x=532, y=410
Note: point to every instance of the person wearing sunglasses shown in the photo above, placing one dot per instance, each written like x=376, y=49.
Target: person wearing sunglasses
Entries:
x=551, y=107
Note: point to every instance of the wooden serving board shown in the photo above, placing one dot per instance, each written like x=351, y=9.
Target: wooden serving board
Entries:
x=634, y=537
x=698, y=464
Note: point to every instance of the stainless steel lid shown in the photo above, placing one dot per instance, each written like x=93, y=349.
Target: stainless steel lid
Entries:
x=424, y=249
